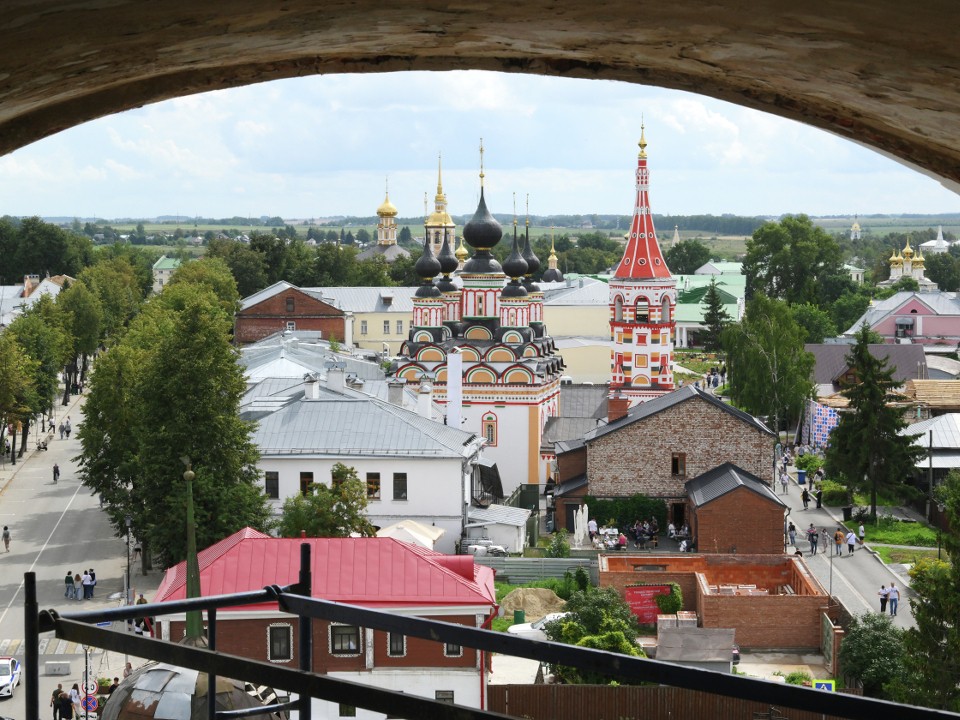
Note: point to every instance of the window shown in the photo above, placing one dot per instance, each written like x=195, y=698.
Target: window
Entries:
x=373, y=486
x=678, y=464
x=618, y=309
x=444, y=696
x=399, y=327
x=291, y=325
x=280, y=643
x=306, y=480
x=386, y=327
x=666, y=311
x=344, y=640
x=347, y=710
x=399, y=486
x=363, y=327
x=643, y=311
x=490, y=428
x=290, y=304
x=271, y=484
x=396, y=644
x=452, y=650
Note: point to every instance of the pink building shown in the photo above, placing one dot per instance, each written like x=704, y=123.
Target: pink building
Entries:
x=927, y=318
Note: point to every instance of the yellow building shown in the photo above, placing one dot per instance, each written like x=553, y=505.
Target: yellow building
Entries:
x=381, y=315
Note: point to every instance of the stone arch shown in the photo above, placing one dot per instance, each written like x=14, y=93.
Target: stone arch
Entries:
x=862, y=76
x=411, y=373
x=517, y=375
x=499, y=353
x=481, y=375
x=478, y=332
x=430, y=354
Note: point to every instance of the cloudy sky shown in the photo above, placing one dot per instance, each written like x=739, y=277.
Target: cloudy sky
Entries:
x=326, y=146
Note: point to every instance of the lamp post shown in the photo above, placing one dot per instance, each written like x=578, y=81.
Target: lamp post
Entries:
x=126, y=594
x=194, y=617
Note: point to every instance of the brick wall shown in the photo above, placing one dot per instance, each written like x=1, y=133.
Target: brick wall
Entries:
x=637, y=457
x=271, y=315
x=771, y=621
x=740, y=521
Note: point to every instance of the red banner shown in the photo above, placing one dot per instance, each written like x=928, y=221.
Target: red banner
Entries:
x=643, y=603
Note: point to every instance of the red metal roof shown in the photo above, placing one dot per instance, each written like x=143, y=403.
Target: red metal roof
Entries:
x=642, y=259
x=360, y=571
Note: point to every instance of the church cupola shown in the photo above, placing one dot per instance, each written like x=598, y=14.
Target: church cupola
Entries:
x=427, y=268
x=533, y=262
x=552, y=273
x=448, y=264
x=482, y=233
x=515, y=267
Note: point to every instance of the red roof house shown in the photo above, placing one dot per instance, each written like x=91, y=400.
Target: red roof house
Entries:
x=380, y=573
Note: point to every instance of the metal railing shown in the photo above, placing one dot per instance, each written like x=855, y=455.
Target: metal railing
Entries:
x=296, y=600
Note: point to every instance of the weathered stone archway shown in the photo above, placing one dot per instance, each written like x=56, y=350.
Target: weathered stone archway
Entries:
x=884, y=73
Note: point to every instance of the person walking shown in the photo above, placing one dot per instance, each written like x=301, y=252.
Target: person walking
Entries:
x=838, y=542
x=792, y=532
x=93, y=581
x=812, y=536
x=56, y=472
x=6, y=537
x=67, y=427
x=62, y=429
x=893, y=599
x=851, y=542
x=883, y=593
x=66, y=706
x=78, y=587
x=87, y=584
x=819, y=496
x=75, y=698
x=805, y=497
x=55, y=701
x=68, y=591
x=862, y=533
x=824, y=540
x=784, y=481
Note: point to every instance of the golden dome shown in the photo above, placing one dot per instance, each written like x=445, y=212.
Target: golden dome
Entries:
x=907, y=251
x=918, y=260
x=439, y=218
x=387, y=208
x=461, y=252
x=895, y=259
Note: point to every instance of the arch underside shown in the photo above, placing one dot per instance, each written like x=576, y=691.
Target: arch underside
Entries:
x=878, y=74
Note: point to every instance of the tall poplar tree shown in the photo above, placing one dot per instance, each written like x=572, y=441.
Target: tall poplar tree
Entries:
x=867, y=447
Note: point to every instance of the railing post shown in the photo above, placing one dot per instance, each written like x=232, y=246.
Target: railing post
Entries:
x=212, y=675
x=31, y=657
x=305, y=626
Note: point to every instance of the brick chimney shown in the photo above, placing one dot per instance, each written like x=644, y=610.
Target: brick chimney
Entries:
x=617, y=407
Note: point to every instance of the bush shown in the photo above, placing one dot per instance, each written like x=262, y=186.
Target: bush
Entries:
x=808, y=462
x=834, y=493
x=624, y=512
x=582, y=578
x=672, y=602
x=559, y=545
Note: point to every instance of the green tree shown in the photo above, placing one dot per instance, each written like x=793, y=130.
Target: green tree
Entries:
x=715, y=317
x=82, y=318
x=867, y=447
x=944, y=270
x=116, y=286
x=816, y=323
x=404, y=237
x=686, y=256
x=328, y=511
x=17, y=392
x=769, y=371
x=872, y=652
x=849, y=308
x=213, y=273
x=788, y=260
x=38, y=332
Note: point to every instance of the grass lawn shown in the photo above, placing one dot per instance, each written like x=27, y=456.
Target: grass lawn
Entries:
x=892, y=532
x=891, y=555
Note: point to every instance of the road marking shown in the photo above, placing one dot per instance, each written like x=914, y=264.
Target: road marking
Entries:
x=16, y=646
x=851, y=588
x=36, y=561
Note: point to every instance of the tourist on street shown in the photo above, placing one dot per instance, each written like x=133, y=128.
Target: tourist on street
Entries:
x=851, y=542
x=67, y=427
x=87, y=582
x=93, y=581
x=893, y=598
x=78, y=586
x=56, y=472
x=824, y=540
x=784, y=481
x=883, y=593
x=6, y=538
x=792, y=532
x=55, y=701
x=63, y=429
x=592, y=528
x=75, y=698
x=812, y=536
x=819, y=496
x=862, y=533
x=69, y=592
x=838, y=542
x=66, y=706
x=805, y=496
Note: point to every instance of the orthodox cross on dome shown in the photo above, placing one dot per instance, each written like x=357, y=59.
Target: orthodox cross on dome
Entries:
x=642, y=258
x=481, y=163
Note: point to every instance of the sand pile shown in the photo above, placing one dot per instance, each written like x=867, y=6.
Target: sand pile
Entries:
x=535, y=602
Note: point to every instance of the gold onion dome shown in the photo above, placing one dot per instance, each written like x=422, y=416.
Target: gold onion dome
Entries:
x=895, y=258
x=908, y=251
x=918, y=260
x=461, y=252
x=387, y=208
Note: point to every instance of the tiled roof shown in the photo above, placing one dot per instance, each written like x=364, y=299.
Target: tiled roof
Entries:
x=374, y=571
x=669, y=400
x=583, y=401
x=724, y=479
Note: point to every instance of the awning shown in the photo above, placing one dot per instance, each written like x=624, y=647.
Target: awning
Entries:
x=905, y=321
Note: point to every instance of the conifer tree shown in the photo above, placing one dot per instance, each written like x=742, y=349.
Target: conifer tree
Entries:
x=867, y=447
x=715, y=317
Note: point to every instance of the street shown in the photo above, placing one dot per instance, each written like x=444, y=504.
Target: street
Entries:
x=54, y=528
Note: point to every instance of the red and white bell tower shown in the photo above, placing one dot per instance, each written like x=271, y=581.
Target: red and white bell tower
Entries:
x=643, y=298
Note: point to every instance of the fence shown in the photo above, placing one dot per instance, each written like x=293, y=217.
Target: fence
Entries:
x=524, y=570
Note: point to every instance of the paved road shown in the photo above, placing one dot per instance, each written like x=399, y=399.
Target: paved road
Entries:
x=854, y=579
x=54, y=528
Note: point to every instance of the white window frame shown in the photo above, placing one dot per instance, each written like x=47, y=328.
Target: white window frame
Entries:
x=402, y=653
x=289, y=629
x=330, y=649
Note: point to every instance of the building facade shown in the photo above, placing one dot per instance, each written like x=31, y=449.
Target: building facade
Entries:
x=283, y=306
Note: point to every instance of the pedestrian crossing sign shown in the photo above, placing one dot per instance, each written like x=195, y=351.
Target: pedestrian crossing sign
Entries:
x=828, y=685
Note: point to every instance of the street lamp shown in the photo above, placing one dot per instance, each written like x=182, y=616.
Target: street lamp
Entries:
x=129, y=521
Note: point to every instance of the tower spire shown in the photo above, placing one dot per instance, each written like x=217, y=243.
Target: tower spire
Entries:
x=481, y=164
x=439, y=173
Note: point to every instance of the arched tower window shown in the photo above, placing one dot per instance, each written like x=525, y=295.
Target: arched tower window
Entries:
x=618, y=309
x=665, y=312
x=490, y=428
x=643, y=310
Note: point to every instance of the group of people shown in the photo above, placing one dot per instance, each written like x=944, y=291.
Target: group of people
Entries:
x=65, y=428
x=79, y=587
x=821, y=538
x=817, y=495
x=889, y=596
x=66, y=703
x=713, y=379
x=640, y=533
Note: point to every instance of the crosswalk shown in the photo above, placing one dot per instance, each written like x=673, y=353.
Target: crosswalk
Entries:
x=48, y=646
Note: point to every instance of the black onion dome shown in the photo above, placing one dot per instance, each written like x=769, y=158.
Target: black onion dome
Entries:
x=513, y=289
x=552, y=275
x=427, y=268
x=483, y=231
x=533, y=262
x=515, y=266
x=448, y=261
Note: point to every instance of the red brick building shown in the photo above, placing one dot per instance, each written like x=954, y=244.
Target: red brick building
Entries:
x=380, y=573
x=654, y=448
x=733, y=511
x=283, y=306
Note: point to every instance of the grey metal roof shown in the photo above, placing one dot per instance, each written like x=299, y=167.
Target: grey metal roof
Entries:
x=574, y=483
x=908, y=361
x=502, y=514
x=669, y=400
x=558, y=429
x=267, y=292
x=940, y=303
x=583, y=291
x=723, y=479
x=358, y=426
x=946, y=432
x=583, y=401
x=367, y=299
x=388, y=252
x=289, y=355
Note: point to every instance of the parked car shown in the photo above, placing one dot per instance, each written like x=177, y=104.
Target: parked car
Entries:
x=534, y=630
x=9, y=676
